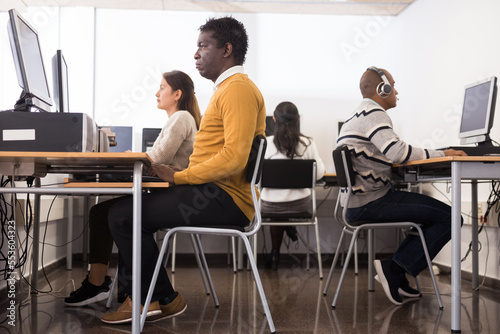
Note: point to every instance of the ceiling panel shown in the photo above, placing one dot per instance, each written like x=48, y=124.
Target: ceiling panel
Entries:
x=327, y=7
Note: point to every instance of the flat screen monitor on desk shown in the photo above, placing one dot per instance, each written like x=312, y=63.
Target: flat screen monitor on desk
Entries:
x=478, y=112
x=29, y=65
x=60, y=82
x=149, y=136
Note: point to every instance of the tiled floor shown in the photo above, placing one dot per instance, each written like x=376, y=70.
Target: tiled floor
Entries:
x=295, y=299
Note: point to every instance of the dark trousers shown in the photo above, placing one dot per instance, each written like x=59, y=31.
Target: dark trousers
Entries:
x=100, y=238
x=182, y=205
x=435, y=216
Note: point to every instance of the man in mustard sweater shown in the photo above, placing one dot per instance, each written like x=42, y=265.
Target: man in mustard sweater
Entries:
x=213, y=189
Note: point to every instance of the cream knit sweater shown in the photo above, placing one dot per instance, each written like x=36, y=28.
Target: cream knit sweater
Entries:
x=174, y=144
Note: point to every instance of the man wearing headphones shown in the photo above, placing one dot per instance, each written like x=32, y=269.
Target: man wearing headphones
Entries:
x=374, y=148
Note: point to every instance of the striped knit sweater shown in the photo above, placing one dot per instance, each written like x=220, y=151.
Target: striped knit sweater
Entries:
x=374, y=148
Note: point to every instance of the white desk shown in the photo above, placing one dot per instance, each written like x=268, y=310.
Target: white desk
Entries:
x=41, y=163
x=458, y=169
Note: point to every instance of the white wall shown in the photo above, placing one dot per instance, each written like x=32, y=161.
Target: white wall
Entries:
x=443, y=46
x=433, y=49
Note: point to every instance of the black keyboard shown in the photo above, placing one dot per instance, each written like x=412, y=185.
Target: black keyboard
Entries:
x=476, y=150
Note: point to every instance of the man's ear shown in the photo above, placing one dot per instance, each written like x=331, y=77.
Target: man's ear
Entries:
x=228, y=50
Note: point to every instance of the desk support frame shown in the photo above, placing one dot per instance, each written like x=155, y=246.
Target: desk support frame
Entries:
x=458, y=169
x=135, y=191
x=456, y=207
x=136, y=247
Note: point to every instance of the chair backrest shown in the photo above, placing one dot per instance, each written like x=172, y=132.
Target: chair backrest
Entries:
x=291, y=174
x=288, y=174
x=345, y=178
x=254, y=169
x=252, y=158
x=343, y=166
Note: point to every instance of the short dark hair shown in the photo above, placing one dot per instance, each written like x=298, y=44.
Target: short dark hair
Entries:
x=229, y=30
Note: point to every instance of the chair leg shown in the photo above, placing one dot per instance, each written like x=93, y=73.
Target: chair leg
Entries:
x=174, y=247
x=417, y=283
x=233, y=245
x=308, y=250
x=112, y=289
x=258, y=283
x=429, y=265
x=371, y=258
x=203, y=266
x=346, y=264
x=356, y=267
x=335, y=258
x=318, y=245
x=154, y=278
x=197, y=256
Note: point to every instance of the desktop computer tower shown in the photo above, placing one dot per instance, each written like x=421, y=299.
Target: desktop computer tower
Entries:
x=48, y=132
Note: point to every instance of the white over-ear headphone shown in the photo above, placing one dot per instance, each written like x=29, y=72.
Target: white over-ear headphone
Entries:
x=384, y=88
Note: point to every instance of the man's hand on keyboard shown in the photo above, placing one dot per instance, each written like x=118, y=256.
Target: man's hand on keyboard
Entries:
x=164, y=172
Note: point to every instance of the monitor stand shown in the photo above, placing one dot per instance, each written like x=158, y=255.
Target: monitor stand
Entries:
x=29, y=103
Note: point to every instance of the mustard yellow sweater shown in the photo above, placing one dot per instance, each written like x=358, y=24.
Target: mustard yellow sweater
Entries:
x=234, y=116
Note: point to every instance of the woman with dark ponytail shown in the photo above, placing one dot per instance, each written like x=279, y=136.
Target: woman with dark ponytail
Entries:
x=287, y=143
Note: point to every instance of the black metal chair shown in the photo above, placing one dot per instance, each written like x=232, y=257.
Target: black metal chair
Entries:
x=292, y=174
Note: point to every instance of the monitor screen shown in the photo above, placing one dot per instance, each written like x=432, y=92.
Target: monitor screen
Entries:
x=269, y=126
x=478, y=111
x=123, y=138
x=60, y=82
x=149, y=136
x=29, y=64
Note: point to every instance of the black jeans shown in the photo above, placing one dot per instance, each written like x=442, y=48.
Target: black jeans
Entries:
x=182, y=205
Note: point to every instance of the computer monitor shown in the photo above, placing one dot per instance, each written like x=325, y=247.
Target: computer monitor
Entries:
x=29, y=65
x=60, y=82
x=478, y=112
x=269, y=126
x=124, y=138
x=149, y=136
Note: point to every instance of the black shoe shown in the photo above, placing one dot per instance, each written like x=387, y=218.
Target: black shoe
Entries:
x=89, y=293
x=406, y=290
x=107, y=280
x=273, y=259
x=390, y=281
x=291, y=231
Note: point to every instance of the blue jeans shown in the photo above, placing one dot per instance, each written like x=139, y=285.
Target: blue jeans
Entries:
x=397, y=206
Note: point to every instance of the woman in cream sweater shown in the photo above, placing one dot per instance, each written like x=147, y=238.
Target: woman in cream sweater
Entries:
x=173, y=147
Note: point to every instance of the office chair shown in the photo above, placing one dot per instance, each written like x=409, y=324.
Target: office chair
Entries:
x=346, y=179
x=231, y=231
x=292, y=174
